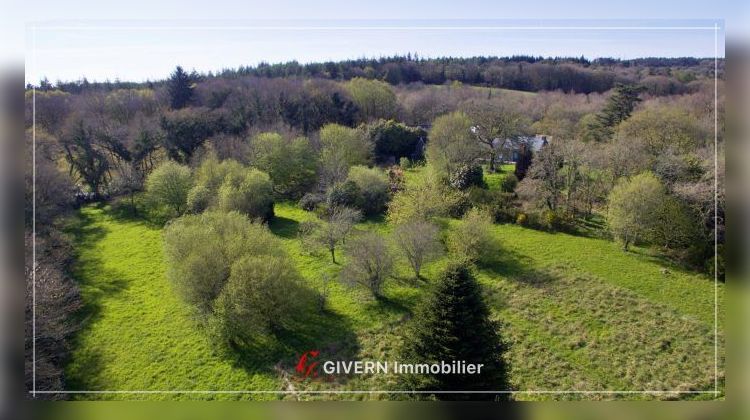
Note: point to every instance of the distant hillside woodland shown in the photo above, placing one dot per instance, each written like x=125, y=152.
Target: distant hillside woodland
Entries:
x=629, y=142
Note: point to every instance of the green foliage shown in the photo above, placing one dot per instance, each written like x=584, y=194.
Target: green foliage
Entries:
x=660, y=128
x=233, y=272
x=168, y=185
x=228, y=185
x=618, y=109
x=341, y=148
x=292, y=165
x=472, y=239
x=499, y=204
x=262, y=294
x=250, y=192
x=633, y=208
x=394, y=141
x=508, y=184
x=451, y=143
x=345, y=194
x=186, y=129
x=453, y=323
x=466, y=176
x=373, y=188
x=374, y=98
x=180, y=88
x=423, y=199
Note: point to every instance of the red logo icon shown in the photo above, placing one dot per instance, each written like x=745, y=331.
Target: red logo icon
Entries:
x=306, y=367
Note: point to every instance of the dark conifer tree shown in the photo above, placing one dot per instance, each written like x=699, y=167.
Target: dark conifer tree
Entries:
x=453, y=324
x=523, y=162
x=180, y=88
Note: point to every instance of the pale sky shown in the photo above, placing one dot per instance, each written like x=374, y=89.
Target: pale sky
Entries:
x=109, y=42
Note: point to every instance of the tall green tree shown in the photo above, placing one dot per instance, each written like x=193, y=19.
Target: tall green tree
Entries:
x=454, y=324
x=618, y=108
x=180, y=88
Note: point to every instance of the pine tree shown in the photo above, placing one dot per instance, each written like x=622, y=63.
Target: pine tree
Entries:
x=523, y=162
x=618, y=108
x=452, y=325
x=180, y=88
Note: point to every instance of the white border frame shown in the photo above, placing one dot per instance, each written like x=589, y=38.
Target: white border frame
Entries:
x=715, y=28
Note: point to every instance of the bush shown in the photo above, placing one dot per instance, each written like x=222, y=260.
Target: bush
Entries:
x=509, y=183
x=472, y=239
x=404, y=163
x=198, y=199
x=632, y=206
x=220, y=262
x=345, y=194
x=522, y=219
x=424, y=199
x=373, y=187
x=168, y=186
x=394, y=141
x=467, y=176
x=501, y=205
x=310, y=201
x=250, y=193
x=291, y=164
x=261, y=295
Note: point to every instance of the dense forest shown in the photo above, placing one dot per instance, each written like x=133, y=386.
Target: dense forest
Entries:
x=628, y=156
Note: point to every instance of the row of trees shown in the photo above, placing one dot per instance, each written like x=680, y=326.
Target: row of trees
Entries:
x=666, y=75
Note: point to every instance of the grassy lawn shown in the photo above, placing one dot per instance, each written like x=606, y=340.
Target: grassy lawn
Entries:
x=578, y=313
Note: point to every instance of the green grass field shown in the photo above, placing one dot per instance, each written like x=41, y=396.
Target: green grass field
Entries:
x=579, y=314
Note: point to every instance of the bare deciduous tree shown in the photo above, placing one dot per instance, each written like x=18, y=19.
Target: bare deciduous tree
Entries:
x=419, y=242
x=369, y=262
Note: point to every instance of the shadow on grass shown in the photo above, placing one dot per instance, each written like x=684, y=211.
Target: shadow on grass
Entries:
x=517, y=267
x=284, y=227
x=313, y=329
x=96, y=283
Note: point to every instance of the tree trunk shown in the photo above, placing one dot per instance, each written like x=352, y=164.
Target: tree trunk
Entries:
x=492, y=161
x=333, y=255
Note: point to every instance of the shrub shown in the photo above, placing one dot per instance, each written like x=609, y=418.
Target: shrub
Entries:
x=310, y=201
x=198, y=199
x=235, y=273
x=522, y=219
x=260, y=296
x=291, y=164
x=632, y=206
x=509, y=183
x=501, y=205
x=345, y=194
x=369, y=262
x=393, y=141
x=250, y=193
x=168, y=186
x=373, y=187
x=404, y=163
x=466, y=176
x=424, y=199
x=472, y=239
